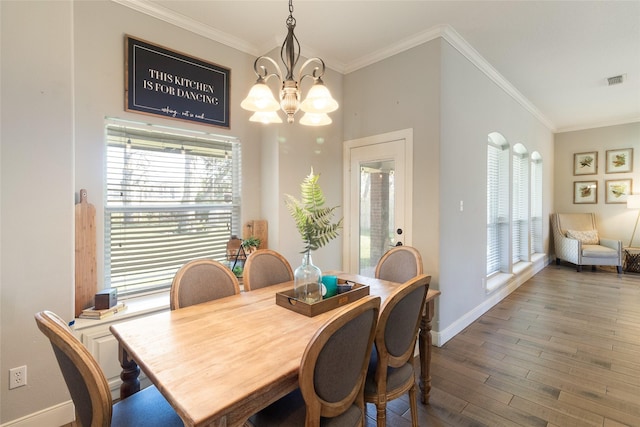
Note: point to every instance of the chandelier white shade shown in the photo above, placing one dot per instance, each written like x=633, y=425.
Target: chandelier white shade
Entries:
x=260, y=99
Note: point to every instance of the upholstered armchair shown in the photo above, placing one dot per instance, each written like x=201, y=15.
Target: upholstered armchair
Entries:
x=576, y=240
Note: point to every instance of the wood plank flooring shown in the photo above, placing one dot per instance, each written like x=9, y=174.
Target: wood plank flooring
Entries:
x=563, y=350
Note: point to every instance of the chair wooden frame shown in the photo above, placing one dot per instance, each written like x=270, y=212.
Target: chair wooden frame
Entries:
x=253, y=280
x=54, y=328
x=179, y=283
x=386, y=272
x=288, y=410
x=316, y=406
x=89, y=388
x=386, y=360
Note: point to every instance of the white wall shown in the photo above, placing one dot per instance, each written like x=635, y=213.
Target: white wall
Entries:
x=614, y=220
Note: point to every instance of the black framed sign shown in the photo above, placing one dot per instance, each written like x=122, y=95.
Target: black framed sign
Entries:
x=169, y=84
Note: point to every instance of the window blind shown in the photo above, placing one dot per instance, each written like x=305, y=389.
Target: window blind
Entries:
x=170, y=198
x=519, y=209
x=497, y=206
x=536, y=205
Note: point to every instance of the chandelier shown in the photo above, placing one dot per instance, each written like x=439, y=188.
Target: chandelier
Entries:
x=261, y=100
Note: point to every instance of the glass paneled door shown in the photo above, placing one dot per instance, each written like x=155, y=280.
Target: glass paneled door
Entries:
x=377, y=200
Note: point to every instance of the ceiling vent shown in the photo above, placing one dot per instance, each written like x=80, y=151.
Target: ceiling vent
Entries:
x=615, y=80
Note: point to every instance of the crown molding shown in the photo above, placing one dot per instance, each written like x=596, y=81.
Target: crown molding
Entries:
x=154, y=10
x=445, y=32
x=462, y=46
x=604, y=124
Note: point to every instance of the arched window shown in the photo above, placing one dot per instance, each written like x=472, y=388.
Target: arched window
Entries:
x=520, y=204
x=497, y=204
x=536, y=203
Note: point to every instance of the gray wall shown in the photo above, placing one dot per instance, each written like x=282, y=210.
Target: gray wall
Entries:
x=614, y=220
x=452, y=107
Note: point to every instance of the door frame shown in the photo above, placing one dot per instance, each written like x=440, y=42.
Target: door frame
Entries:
x=405, y=135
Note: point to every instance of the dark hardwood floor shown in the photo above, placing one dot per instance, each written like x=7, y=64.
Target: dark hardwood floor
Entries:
x=562, y=350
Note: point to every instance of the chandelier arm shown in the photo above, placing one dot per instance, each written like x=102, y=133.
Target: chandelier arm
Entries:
x=263, y=74
x=321, y=67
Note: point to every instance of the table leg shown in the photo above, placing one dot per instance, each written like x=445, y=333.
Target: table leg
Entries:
x=129, y=375
x=425, y=343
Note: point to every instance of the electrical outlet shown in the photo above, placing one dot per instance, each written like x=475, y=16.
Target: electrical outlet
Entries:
x=17, y=377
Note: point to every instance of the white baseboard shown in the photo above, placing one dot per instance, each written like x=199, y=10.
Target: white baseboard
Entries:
x=441, y=337
x=54, y=416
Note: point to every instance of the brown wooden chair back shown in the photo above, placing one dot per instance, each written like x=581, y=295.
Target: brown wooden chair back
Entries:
x=399, y=264
x=332, y=372
x=89, y=388
x=265, y=267
x=86, y=383
x=202, y=280
x=391, y=372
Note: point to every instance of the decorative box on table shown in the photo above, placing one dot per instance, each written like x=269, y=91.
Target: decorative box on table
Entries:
x=286, y=299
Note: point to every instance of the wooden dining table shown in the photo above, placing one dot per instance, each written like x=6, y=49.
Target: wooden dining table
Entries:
x=219, y=362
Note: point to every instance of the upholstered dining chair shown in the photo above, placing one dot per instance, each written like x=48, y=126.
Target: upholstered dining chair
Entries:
x=89, y=388
x=202, y=280
x=265, y=267
x=399, y=264
x=332, y=373
x=391, y=373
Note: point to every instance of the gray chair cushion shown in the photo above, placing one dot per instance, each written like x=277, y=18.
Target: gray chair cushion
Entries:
x=146, y=408
x=395, y=376
x=290, y=412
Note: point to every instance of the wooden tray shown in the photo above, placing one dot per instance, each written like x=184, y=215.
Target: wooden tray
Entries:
x=285, y=299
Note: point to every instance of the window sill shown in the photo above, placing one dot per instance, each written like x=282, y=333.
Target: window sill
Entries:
x=498, y=280
x=135, y=307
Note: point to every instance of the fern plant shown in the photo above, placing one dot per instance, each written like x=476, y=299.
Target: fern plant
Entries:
x=312, y=218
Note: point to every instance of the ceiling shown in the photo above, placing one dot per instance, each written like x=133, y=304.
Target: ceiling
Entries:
x=556, y=54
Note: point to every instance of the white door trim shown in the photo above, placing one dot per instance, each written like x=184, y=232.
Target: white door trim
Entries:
x=407, y=136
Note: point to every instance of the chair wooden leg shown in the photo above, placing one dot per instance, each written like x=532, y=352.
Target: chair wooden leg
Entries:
x=381, y=416
x=413, y=403
x=579, y=269
x=593, y=268
x=619, y=268
x=557, y=261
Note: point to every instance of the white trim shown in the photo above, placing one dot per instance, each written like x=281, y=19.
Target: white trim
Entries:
x=441, y=337
x=154, y=10
x=615, y=122
x=57, y=415
x=407, y=136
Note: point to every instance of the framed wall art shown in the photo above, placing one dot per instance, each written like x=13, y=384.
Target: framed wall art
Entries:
x=585, y=163
x=169, y=84
x=585, y=192
x=616, y=191
x=619, y=161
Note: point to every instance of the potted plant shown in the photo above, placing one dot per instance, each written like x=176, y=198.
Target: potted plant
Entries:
x=314, y=223
x=251, y=244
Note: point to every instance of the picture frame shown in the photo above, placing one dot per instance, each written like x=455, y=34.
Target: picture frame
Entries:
x=585, y=163
x=617, y=191
x=619, y=161
x=170, y=84
x=585, y=192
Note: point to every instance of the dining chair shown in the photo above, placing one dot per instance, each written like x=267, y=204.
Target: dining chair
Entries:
x=391, y=372
x=265, y=267
x=399, y=264
x=202, y=280
x=332, y=373
x=89, y=388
